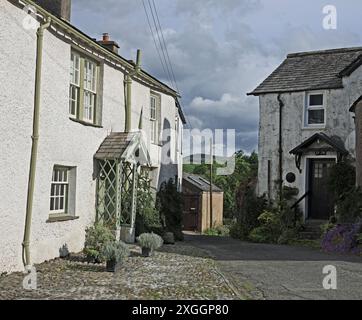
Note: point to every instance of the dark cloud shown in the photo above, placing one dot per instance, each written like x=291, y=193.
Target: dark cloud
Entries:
x=220, y=50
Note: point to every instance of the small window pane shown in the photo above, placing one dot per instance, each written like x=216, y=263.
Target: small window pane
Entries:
x=316, y=100
x=73, y=100
x=316, y=116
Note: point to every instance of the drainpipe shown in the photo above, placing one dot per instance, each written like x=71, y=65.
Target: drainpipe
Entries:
x=281, y=106
x=35, y=139
x=128, y=91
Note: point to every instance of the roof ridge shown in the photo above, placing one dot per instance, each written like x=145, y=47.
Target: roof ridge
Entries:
x=319, y=52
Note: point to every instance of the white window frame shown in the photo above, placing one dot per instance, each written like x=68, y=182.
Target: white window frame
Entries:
x=308, y=108
x=74, y=84
x=155, y=105
x=59, y=190
x=84, y=82
x=89, y=90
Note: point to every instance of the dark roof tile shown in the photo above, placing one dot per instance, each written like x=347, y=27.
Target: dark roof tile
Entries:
x=315, y=70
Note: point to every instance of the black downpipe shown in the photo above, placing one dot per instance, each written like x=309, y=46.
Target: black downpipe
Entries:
x=281, y=106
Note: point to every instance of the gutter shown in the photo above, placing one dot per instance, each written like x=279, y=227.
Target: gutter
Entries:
x=128, y=91
x=35, y=140
x=85, y=39
x=281, y=106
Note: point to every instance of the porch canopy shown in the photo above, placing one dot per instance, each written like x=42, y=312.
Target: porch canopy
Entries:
x=119, y=161
x=319, y=144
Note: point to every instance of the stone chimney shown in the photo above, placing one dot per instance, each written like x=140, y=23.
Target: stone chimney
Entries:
x=60, y=8
x=108, y=43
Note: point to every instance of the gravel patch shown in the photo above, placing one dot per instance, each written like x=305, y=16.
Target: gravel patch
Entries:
x=174, y=272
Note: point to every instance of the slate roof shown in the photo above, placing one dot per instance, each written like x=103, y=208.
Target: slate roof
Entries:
x=114, y=146
x=200, y=183
x=314, y=70
x=335, y=142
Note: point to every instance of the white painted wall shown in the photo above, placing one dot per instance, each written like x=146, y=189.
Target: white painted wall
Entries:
x=62, y=141
x=339, y=122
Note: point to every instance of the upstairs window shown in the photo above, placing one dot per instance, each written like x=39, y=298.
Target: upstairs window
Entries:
x=155, y=117
x=84, y=89
x=315, y=110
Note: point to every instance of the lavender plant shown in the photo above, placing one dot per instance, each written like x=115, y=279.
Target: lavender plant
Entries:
x=343, y=238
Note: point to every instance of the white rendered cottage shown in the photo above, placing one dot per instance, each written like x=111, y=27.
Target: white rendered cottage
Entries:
x=306, y=126
x=72, y=112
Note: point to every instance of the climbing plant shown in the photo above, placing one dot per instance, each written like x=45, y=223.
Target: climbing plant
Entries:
x=342, y=183
x=148, y=217
x=169, y=204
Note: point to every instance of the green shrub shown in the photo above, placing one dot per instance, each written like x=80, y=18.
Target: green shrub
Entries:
x=250, y=207
x=258, y=235
x=170, y=205
x=326, y=227
x=239, y=231
x=288, y=236
x=270, y=228
x=115, y=251
x=342, y=177
x=219, y=231
x=150, y=241
x=359, y=239
x=276, y=226
x=96, y=238
x=348, y=198
x=223, y=230
x=349, y=206
x=147, y=217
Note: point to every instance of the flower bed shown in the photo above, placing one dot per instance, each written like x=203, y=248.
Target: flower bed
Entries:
x=344, y=238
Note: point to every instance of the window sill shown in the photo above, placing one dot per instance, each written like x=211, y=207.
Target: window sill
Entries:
x=85, y=123
x=61, y=218
x=314, y=128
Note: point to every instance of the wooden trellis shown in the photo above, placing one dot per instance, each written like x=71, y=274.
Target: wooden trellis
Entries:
x=118, y=174
x=109, y=183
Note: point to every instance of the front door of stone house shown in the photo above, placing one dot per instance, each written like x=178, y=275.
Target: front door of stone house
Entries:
x=321, y=199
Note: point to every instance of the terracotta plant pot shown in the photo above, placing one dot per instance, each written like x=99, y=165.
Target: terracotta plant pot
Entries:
x=111, y=266
x=146, y=252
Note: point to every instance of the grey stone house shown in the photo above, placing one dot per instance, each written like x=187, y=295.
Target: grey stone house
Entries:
x=306, y=126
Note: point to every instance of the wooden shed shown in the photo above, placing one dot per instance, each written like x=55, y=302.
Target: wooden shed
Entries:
x=196, y=212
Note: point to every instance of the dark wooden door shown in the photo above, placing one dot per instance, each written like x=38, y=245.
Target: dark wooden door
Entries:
x=321, y=199
x=191, y=212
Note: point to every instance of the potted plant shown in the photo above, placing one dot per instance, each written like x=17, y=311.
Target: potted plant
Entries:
x=96, y=238
x=114, y=253
x=149, y=242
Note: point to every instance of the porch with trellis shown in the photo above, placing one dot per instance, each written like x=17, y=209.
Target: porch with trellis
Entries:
x=120, y=161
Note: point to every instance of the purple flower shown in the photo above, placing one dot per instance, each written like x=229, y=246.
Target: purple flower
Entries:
x=343, y=239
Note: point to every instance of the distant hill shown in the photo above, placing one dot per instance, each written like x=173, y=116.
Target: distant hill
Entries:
x=202, y=159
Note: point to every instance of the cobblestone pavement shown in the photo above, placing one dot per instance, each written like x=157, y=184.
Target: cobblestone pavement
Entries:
x=176, y=272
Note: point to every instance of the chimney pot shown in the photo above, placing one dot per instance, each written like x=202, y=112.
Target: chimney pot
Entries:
x=107, y=43
x=105, y=36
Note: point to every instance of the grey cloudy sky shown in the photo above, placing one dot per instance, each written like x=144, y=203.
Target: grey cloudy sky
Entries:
x=221, y=49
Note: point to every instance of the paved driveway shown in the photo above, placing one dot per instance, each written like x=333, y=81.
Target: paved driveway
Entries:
x=273, y=272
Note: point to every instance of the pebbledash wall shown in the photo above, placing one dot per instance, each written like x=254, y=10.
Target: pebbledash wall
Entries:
x=339, y=122
x=62, y=141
